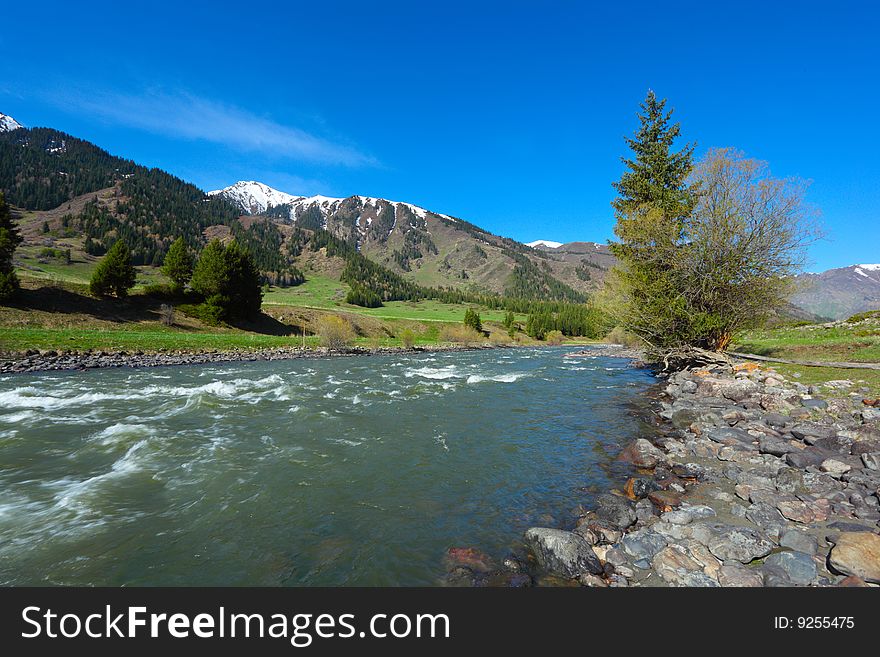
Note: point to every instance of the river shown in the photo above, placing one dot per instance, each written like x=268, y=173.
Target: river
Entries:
x=335, y=471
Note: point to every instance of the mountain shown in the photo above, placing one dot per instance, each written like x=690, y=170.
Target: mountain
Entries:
x=840, y=293
x=71, y=193
x=7, y=123
x=252, y=197
x=435, y=249
x=546, y=244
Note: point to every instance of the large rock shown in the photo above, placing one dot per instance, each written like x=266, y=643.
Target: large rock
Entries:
x=614, y=511
x=641, y=454
x=857, y=553
x=810, y=432
x=794, y=539
x=562, y=553
x=678, y=569
x=738, y=390
x=799, y=567
x=739, y=544
x=643, y=545
x=737, y=575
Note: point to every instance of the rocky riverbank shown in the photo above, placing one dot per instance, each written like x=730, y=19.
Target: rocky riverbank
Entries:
x=51, y=360
x=749, y=480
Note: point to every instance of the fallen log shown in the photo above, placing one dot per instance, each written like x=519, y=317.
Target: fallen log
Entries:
x=807, y=363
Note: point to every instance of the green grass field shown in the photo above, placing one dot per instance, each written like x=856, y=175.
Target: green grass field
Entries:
x=327, y=294
x=857, y=343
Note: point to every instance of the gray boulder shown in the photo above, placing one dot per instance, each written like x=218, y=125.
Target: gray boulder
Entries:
x=562, y=553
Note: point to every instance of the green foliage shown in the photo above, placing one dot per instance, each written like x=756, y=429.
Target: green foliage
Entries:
x=573, y=321
x=229, y=281
x=407, y=338
x=654, y=202
x=472, y=320
x=114, y=274
x=178, y=264
x=9, y=241
x=509, y=320
x=358, y=295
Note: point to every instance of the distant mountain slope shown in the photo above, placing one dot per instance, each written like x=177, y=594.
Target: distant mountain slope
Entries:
x=7, y=123
x=436, y=249
x=839, y=293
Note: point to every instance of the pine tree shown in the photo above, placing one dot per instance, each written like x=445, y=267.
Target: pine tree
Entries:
x=472, y=319
x=114, y=274
x=654, y=203
x=9, y=240
x=229, y=281
x=178, y=265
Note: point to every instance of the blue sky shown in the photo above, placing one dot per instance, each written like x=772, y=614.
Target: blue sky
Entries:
x=509, y=114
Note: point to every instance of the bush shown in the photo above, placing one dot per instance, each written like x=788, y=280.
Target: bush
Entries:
x=619, y=335
x=336, y=332
x=459, y=333
x=554, y=338
x=407, y=338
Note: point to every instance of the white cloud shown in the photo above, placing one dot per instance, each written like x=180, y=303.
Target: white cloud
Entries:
x=185, y=116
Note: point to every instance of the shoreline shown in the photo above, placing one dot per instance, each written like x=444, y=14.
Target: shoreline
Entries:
x=747, y=480
x=34, y=361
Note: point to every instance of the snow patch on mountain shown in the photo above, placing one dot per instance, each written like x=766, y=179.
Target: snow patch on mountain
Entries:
x=548, y=243
x=7, y=123
x=254, y=197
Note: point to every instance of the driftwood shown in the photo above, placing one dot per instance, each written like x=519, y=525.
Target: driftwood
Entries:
x=808, y=363
x=689, y=357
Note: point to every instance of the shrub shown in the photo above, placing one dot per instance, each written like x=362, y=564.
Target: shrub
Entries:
x=336, y=332
x=619, y=335
x=554, y=338
x=459, y=333
x=472, y=320
x=407, y=338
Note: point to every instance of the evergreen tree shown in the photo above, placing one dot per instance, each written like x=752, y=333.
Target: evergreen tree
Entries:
x=653, y=207
x=114, y=274
x=9, y=240
x=178, y=264
x=472, y=319
x=229, y=280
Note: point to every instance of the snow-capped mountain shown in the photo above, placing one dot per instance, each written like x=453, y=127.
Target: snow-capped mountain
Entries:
x=548, y=243
x=839, y=293
x=7, y=123
x=318, y=211
x=253, y=197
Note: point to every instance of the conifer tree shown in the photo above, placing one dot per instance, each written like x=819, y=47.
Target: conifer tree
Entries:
x=178, y=265
x=114, y=274
x=9, y=240
x=655, y=201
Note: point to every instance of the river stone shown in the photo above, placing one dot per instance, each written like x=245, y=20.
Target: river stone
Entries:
x=730, y=436
x=739, y=544
x=803, y=459
x=643, y=545
x=797, y=510
x=834, y=467
x=562, y=553
x=776, y=420
x=820, y=404
x=665, y=500
x=638, y=487
x=615, y=511
x=871, y=460
x=798, y=566
x=739, y=390
x=641, y=454
x=767, y=518
x=810, y=432
x=737, y=575
x=672, y=564
x=857, y=553
x=775, y=446
x=794, y=539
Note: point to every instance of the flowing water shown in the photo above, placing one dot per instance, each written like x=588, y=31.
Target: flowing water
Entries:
x=344, y=471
